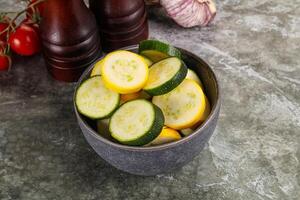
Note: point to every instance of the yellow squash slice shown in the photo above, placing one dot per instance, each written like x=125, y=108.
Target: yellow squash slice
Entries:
x=124, y=72
x=184, y=106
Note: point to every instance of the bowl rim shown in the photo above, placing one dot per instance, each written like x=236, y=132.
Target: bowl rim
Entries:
x=199, y=130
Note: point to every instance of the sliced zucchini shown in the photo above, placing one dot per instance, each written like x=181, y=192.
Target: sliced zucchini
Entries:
x=97, y=68
x=165, y=75
x=154, y=56
x=94, y=100
x=192, y=75
x=206, y=113
x=136, y=123
x=156, y=50
x=167, y=135
x=124, y=72
x=148, y=61
x=184, y=106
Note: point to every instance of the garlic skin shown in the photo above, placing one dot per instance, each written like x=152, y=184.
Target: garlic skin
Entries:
x=190, y=13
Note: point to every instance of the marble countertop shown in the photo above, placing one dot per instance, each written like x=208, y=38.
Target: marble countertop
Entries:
x=253, y=46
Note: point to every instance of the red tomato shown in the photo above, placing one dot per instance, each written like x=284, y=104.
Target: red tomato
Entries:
x=31, y=23
x=25, y=41
x=5, y=62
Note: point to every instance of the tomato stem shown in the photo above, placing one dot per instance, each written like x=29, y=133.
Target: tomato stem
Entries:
x=7, y=50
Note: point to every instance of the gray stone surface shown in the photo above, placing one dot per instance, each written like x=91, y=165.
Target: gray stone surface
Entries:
x=253, y=47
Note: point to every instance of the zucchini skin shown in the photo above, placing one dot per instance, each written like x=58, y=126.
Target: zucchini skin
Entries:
x=153, y=132
x=170, y=84
x=92, y=117
x=159, y=46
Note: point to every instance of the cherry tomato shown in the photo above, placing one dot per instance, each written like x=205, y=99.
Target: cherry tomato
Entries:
x=5, y=62
x=25, y=41
x=5, y=59
x=31, y=23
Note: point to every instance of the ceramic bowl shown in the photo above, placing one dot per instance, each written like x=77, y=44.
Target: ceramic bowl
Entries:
x=164, y=158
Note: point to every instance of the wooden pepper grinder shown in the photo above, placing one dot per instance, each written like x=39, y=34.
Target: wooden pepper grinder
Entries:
x=121, y=22
x=70, y=38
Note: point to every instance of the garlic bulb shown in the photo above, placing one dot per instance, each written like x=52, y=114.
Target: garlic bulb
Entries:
x=189, y=13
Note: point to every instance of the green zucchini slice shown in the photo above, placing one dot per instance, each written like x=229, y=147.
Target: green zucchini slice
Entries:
x=136, y=123
x=156, y=50
x=94, y=100
x=165, y=75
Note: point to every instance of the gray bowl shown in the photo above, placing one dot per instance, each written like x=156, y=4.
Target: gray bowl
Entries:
x=154, y=160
